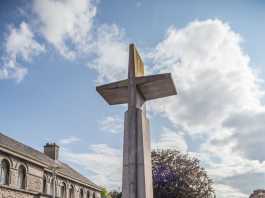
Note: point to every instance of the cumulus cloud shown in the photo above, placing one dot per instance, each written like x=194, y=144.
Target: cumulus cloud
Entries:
x=219, y=98
x=111, y=124
x=248, y=133
x=68, y=27
x=103, y=162
x=250, y=182
x=171, y=140
x=65, y=24
x=224, y=191
x=19, y=45
x=11, y=70
x=111, y=54
x=211, y=72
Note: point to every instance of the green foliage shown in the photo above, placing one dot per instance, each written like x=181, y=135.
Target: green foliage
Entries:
x=105, y=194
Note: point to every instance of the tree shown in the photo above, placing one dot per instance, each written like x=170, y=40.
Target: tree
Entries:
x=115, y=194
x=105, y=194
x=176, y=175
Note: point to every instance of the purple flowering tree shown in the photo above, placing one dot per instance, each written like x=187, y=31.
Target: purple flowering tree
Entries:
x=176, y=175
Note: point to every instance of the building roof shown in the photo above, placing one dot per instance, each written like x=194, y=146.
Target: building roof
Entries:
x=34, y=154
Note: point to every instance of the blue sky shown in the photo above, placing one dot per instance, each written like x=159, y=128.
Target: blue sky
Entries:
x=53, y=53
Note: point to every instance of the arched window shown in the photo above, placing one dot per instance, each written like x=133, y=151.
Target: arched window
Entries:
x=71, y=192
x=44, y=185
x=4, y=172
x=81, y=193
x=21, y=182
x=63, y=191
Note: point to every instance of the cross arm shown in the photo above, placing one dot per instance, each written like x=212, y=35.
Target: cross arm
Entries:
x=150, y=87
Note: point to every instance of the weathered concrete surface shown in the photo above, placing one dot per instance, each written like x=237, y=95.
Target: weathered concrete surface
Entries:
x=137, y=169
x=150, y=87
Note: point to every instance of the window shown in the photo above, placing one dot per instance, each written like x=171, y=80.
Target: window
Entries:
x=94, y=195
x=21, y=182
x=63, y=191
x=81, y=193
x=71, y=192
x=44, y=185
x=4, y=172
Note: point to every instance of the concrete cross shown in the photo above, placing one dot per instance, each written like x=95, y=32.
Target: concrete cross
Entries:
x=136, y=90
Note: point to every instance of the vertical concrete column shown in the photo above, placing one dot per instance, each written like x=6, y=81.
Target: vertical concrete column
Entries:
x=137, y=169
x=144, y=166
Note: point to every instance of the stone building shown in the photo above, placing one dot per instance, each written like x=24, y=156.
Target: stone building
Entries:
x=258, y=194
x=29, y=173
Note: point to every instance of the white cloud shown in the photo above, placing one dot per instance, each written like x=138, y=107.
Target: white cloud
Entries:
x=111, y=124
x=171, y=140
x=219, y=98
x=219, y=92
x=11, y=70
x=211, y=72
x=68, y=27
x=65, y=24
x=103, y=161
x=111, y=53
x=19, y=45
x=248, y=133
x=69, y=140
x=216, y=84
x=225, y=191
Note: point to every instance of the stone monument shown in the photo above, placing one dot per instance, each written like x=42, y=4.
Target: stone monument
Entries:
x=136, y=90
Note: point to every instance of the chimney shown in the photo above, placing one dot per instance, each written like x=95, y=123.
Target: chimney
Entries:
x=52, y=150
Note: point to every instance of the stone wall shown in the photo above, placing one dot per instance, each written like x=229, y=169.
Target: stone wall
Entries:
x=34, y=174
x=9, y=192
x=34, y=182
x=35, y=178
